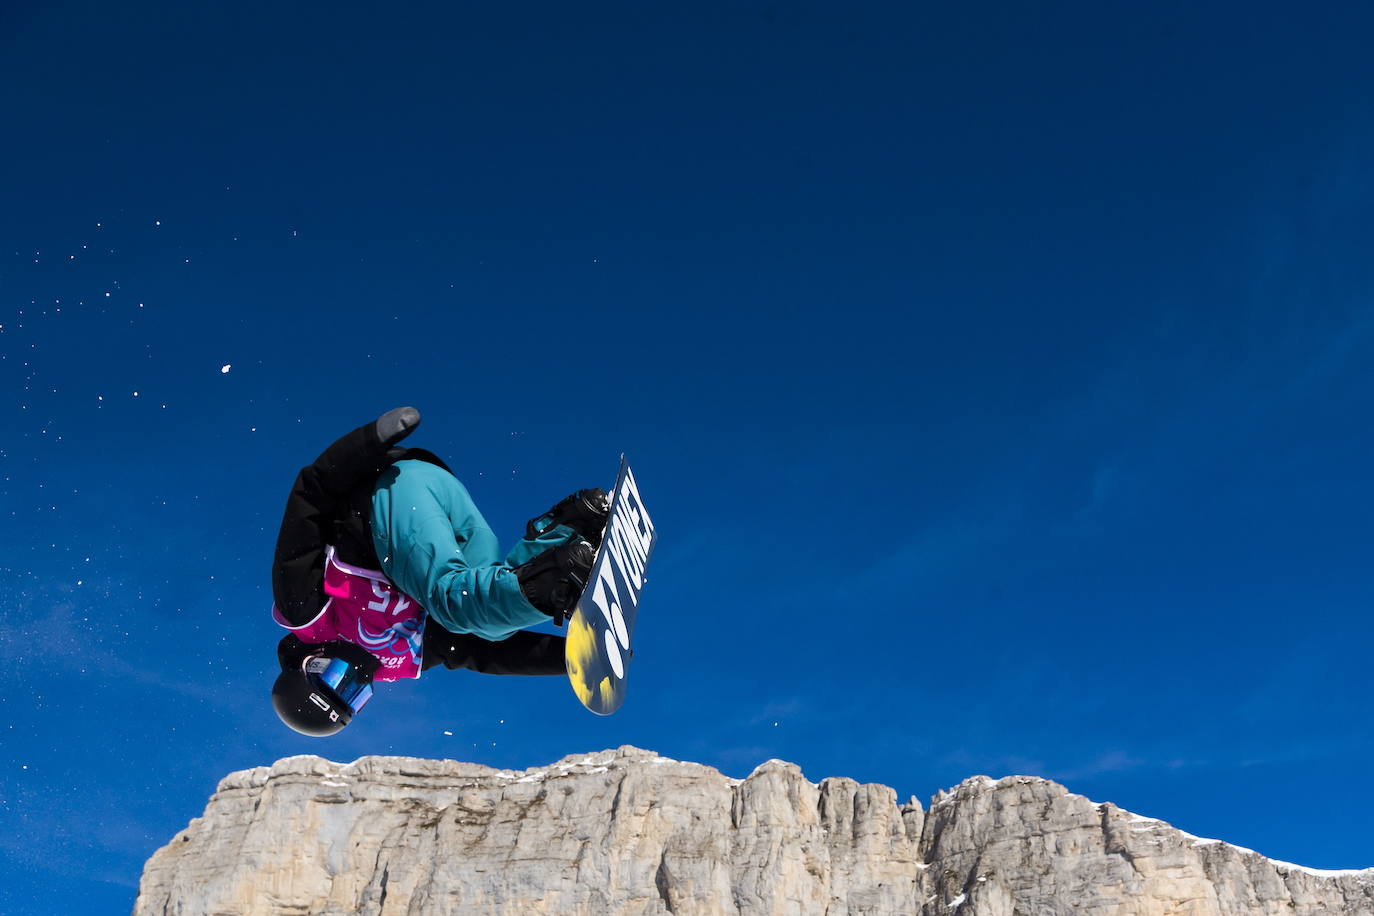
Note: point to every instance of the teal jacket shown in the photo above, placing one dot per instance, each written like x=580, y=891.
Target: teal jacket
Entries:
x=436, y=546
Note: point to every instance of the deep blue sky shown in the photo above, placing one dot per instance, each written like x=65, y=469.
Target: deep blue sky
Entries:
x=999, y=379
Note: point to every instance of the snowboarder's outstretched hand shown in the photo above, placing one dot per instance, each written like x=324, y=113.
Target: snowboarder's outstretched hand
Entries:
x=395, y=425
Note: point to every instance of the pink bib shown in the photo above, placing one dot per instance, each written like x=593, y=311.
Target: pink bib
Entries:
x=363, y=607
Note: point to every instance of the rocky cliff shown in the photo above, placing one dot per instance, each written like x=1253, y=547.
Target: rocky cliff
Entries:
x=629, y=832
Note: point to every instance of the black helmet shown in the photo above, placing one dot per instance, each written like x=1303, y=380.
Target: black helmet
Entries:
x=322, y=685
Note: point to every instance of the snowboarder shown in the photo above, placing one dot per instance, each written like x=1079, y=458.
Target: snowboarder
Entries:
x=385, y=568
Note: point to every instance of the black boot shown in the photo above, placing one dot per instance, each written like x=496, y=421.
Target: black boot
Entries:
x=553, y=581
x=584, y=512
x=396, y=424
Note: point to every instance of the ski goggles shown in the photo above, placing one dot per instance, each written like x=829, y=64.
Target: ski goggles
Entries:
x=349, y=682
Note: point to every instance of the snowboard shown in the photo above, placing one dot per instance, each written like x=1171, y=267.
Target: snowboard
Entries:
x=598, y=646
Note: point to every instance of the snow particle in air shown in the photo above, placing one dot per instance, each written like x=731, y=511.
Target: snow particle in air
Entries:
x=224, y=370
x=449, y=733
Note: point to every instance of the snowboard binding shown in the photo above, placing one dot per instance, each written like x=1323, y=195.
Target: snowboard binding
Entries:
x=584, y=512
x=553, y=581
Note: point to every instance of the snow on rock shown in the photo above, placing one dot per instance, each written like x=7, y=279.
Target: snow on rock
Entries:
x=1320, y=872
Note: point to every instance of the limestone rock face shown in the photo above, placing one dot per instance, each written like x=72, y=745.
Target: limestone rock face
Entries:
x=629, y=832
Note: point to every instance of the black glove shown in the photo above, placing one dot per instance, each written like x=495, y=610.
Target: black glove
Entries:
x=395, y=425
x=292, y=651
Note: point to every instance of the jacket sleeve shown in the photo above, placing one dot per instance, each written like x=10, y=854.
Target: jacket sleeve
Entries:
x=318, y=497
x=524, y=652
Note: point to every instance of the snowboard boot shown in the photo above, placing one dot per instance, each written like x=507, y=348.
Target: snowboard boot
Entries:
x=553, y=581
x=395, y=425
x=584, y=512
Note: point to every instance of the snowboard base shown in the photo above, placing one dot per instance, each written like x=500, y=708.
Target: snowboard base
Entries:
x=598, y=650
